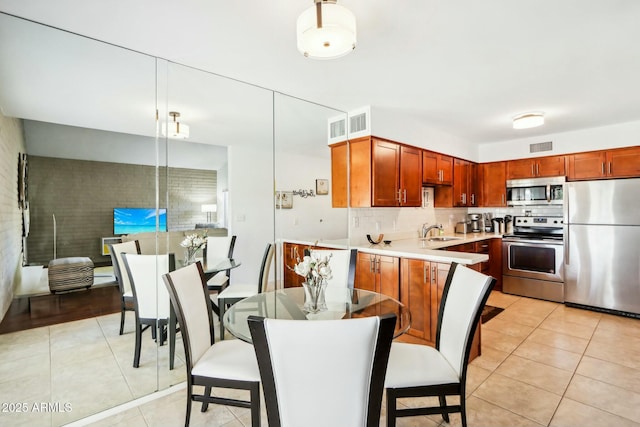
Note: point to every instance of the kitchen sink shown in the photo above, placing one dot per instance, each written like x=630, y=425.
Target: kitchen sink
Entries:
x=442, y=239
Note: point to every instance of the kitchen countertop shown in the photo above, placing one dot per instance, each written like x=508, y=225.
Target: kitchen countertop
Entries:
x=414, y=248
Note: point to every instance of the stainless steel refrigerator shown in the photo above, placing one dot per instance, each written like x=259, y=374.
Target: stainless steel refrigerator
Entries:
x=602, y=244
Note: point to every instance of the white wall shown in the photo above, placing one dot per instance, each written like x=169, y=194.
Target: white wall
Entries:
x=621, y=135
x=251, y=206
x=402, y=127
x=311, y=218
x=11, y=143
x=70, y=142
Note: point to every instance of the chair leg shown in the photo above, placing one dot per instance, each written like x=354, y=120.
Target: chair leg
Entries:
x=222, y=307
x=463, y=411
x=255, y=405
x=122, y=310
x=443, y=403
x=136, y=356
x=391, y=409
x=207, y=393
x=188, y=415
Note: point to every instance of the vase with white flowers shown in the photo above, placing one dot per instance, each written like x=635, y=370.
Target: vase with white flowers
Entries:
x=192, y=243
x=316, y=271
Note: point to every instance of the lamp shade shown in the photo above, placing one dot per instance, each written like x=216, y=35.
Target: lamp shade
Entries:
x=209, y=208
x=335, y=37
x=528, y=120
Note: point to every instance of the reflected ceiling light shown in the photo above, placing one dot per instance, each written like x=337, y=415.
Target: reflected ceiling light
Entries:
x=326, y=30
x=175, y=129
x=528, y=120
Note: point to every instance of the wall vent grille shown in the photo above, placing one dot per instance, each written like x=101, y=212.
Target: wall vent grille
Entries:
x=541, y=146
x=358, y=123
x=338, y=128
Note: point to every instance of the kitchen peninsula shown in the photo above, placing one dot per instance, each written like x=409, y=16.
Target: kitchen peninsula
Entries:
x=410, y=270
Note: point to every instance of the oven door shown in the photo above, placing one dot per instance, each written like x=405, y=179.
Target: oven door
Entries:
x=542, y=260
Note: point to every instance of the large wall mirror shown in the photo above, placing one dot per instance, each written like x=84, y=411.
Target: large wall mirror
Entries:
x=91, y=151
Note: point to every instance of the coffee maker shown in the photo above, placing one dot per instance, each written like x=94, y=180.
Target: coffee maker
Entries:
x=476, y=222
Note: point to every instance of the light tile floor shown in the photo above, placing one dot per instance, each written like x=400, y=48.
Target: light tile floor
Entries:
x=542, y=364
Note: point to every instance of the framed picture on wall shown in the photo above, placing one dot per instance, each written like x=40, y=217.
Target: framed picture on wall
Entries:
x=322, y=187
x=284, y=199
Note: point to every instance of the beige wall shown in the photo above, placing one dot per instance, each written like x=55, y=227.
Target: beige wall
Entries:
x=11, y=143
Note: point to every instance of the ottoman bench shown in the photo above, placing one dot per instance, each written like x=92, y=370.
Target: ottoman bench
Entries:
x=66, y=274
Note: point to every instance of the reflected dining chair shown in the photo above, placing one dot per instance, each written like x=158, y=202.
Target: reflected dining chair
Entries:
x=239, y=291
x=219, y=247
x=418, y=370
x=226, y=364
x=342, y=263
x=325, y=372
x=150, y=297
x=126, y=294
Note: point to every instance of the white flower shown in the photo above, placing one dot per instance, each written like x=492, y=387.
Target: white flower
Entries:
x=313, y=267
x=193, y=241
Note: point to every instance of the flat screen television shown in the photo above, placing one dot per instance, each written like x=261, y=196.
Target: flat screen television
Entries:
x=138, y=220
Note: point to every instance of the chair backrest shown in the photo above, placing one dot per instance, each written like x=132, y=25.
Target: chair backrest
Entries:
x=265, y=267
x=343, y=265
x=220, y=247
x=151, y=299
x=190, y=299
x=331, y=374
x=116, y=251
x=465, y=294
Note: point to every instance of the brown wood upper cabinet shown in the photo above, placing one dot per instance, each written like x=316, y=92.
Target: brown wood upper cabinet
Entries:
x=339, y=175
x=617, y=163
x=537, y=167
x=464, y=183
x=396, y=174
x=492, y=183
x=437, y=169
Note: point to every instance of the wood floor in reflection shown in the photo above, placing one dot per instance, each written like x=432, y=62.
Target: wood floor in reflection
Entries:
x=45, y=310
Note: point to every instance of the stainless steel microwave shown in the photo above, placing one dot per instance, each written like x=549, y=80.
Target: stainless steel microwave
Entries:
x=535, y=191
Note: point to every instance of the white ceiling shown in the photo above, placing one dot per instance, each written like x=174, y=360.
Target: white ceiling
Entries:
x=463, y=67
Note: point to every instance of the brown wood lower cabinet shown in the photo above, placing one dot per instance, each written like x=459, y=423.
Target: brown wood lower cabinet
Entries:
x=378, y=273
x=290, y=254
x=421, y=287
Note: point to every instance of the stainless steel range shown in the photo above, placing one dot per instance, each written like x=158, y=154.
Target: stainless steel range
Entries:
x=533, y=257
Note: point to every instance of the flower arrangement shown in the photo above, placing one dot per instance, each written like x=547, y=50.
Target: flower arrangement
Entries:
x=316, y=271
x=192, y=244
x=314, y=268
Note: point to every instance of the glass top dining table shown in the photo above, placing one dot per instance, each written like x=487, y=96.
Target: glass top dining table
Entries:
x=342, y=303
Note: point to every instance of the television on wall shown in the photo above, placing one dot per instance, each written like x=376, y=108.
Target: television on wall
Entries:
x=138, y=220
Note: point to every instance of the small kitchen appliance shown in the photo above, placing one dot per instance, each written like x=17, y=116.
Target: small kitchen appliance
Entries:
x=475, y=220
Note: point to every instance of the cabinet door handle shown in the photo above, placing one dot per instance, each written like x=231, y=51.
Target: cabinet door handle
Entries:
x=378, y=263
x=399, y=196
x=473, y=199
x=433, y=274
x=537, y=169
x=502, y=198
x=441, y=175
x=404, y=196
x=609, y=168
x=533, y=172
x=602, y=168
x=424, y=273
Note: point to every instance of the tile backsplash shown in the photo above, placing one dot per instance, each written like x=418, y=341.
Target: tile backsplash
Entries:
x=403, y=223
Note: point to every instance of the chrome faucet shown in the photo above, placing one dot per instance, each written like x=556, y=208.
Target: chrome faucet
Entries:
x=426, y=229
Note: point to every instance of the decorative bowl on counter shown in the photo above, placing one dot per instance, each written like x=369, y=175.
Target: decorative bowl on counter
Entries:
x=375, y=241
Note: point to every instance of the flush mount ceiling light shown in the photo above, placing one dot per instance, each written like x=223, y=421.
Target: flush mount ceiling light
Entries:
x=326, y=30
x=528, y=120
x=175, y=129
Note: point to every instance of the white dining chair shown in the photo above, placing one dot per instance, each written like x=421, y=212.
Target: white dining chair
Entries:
x=151, y=300
x=325, y=372
x=227, y=364
x=417, y=371
x=239, y=291
x=342, y=263
x=124, y=285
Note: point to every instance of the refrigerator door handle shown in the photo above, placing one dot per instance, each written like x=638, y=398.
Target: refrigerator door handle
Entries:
x=567, y=245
